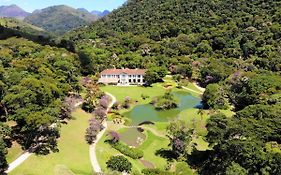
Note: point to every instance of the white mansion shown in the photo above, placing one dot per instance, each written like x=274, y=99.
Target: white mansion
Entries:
x=122, y=76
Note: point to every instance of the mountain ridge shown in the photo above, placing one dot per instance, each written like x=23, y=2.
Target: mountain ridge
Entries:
x=100, y=13
x=60, y=19
x=13, y=11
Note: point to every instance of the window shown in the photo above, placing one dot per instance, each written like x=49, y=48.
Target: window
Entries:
x=139, y=76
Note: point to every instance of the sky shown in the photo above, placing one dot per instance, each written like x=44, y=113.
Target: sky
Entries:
x=31, y=5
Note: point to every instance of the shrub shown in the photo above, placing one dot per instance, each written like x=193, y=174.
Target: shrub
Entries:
x=144, y=97
x=116, y=106
x=119, y=163
x=92, y=131
x=155, y=171
x=88, y=106
x=134, y=153
x=114, y=136
x=100, y=113
x=140, y=129
x=128, y=121
x=127, y=103
x=104, y=102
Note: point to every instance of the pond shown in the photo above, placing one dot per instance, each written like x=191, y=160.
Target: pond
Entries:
x=147, y=112
x=132, y=137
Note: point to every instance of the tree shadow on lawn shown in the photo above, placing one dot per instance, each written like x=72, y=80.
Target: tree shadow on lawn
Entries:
x=166, y=154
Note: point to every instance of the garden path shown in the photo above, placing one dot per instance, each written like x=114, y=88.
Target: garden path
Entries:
x=93, y=155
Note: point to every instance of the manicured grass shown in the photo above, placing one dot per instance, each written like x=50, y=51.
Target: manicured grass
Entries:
x=182, y=168
x=73, y=157
x=104, y=151
x=194, y=119
x=197, y=121
x=14, y=152
x=150, y=146
x=135, y=92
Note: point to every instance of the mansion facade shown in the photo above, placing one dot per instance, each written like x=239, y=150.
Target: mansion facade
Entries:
x=122, y=77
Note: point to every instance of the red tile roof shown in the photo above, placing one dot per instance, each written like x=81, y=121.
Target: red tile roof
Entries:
x=125, y=71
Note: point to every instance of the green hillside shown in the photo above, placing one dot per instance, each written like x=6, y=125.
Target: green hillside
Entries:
x=60, y=19
x=245, y=32
x=21, y=26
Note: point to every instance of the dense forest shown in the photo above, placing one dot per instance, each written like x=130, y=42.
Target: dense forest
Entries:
x=230, y=47
x=34, y=83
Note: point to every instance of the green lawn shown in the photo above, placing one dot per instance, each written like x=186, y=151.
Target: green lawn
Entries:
x=193, y=118
x=183, y=169
x=14, y=152
x=150, y=146
x=73, y=157
x=135, y=92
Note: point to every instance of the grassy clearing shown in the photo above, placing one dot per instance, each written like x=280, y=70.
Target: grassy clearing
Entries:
x=151, y=145
x=195, y=120
x=73, y=157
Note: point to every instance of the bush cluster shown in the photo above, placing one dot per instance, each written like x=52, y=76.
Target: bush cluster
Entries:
x=134, y=153
x=119, y=163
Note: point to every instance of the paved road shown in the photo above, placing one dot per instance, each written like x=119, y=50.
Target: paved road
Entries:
x=93, y=156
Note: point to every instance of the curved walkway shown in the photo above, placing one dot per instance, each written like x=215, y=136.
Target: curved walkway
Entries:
x=93, y=155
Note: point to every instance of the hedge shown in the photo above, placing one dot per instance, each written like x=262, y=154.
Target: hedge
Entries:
x=134, y=153
x=155, y=171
